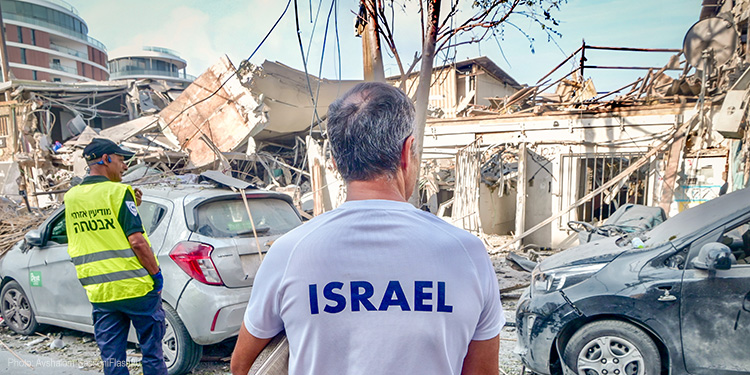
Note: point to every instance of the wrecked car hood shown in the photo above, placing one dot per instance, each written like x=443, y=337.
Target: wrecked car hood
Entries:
x=601, y=251
x=677, y=230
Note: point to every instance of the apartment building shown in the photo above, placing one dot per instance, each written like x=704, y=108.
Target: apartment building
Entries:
x=48, y=40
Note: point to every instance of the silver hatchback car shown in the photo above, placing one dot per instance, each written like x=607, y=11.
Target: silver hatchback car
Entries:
x=204, y=241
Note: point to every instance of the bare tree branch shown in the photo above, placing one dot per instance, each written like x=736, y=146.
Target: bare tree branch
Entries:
x=442, y=34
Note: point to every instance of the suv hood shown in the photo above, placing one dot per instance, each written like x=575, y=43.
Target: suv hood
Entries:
x=601, y=251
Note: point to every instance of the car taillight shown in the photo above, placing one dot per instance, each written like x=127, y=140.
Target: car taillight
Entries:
x=195, y=259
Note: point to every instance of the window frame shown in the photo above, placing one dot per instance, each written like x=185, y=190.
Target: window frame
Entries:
x=164, y=212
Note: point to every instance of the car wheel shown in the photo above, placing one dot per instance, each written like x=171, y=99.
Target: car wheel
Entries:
x=16, y=309
x=181, y=353
x=612, y=347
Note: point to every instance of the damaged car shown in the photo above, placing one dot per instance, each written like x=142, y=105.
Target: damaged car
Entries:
x=205, y=243
x=671, y=300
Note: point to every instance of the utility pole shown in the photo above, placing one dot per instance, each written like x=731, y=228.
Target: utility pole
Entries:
x=367, y=29
x=521, y=194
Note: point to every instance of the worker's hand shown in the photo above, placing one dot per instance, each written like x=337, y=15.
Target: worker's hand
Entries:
x=158, y=281
x=138, y=195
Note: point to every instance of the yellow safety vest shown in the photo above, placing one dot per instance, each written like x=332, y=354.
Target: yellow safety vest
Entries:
x=105, y=264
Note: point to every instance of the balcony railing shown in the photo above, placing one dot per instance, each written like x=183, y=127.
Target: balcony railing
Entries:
x=64, y=5
x=64, y=30
x=69, y=51
x=161, y=50
x=150, y=72
x=63, y=68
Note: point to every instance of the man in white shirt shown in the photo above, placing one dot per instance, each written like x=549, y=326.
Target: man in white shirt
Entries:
x=375, y=286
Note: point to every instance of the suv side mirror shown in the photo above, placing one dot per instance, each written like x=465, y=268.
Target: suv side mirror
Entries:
x=714, y=256
x=34, y=238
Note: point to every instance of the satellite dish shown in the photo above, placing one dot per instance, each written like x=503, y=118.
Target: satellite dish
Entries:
x=713, y=33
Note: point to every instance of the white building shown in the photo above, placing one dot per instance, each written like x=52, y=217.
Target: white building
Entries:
x=148, y=62
x=48, y=41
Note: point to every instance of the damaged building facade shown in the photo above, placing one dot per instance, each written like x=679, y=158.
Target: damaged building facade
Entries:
x=499, y=158
x=548, y=158
x=252, y=122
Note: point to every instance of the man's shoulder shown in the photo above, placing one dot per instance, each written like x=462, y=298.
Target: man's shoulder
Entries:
x=291, y=238
x=431, y=220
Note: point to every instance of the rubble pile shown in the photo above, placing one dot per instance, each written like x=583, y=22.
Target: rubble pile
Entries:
x=526, y=162
x=255, y=123
x=16, y=222
x=572, y=92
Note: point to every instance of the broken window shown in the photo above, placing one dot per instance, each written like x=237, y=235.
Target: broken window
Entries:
x=58, y=232
x=228, y=218
x=738, y=241
x=585, y=173
x=3, y=126
x=151, y=215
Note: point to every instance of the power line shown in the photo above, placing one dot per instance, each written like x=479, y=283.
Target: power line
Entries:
x=242, y=65
x=304, y=64
x=338, y=41
x=320, y=68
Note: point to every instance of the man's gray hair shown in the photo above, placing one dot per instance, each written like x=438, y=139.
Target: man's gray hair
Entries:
x=367, y=128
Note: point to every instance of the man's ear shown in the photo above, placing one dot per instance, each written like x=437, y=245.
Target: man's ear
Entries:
x=407, y=152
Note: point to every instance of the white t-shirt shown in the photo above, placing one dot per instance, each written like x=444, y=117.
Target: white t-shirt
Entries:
x=376, y=287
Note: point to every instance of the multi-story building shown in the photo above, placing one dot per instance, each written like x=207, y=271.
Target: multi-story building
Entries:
x=48, y=41
x=148, y=62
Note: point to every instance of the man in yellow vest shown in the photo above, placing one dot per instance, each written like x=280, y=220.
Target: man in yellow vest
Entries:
x=114, y=261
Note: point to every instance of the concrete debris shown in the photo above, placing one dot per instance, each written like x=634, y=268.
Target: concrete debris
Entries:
x=498, y=158
x=663, y=140
x=215, y=105
x=57, y=343
x=500, y=168
x=35, y=341
x=521, y=261
x=17, y=220
x=245, y=122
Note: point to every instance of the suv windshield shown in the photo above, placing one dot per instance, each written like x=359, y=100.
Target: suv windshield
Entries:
x=692, y=221
x=228, y=218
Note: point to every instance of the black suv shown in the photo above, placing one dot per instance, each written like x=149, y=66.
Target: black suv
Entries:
x=673, y=300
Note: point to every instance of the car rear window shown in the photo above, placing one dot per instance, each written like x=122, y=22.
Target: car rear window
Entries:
x=228, y=218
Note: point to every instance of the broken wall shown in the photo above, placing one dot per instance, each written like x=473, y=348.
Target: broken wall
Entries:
x=489, y=87
x=8, y=136
x=559, y=147
x=215, y=106
x=542, y=194
x=497, y=212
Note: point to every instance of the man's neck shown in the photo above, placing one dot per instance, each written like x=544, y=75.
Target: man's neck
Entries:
x=97, y=170
x=379, y=188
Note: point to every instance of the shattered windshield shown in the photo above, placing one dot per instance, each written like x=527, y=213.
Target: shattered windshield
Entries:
x=229, y=218
x=696, y=219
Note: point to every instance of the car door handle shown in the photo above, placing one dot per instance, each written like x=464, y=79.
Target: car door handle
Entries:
x=666, y=297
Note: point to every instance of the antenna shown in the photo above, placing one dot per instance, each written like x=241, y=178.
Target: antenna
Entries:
x=715, y=35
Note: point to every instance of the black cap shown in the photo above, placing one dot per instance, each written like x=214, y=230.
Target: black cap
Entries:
x=101, y=146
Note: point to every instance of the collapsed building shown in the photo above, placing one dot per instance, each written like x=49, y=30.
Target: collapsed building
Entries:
x=499, y=158
x=531, y=162
x=251, y=121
